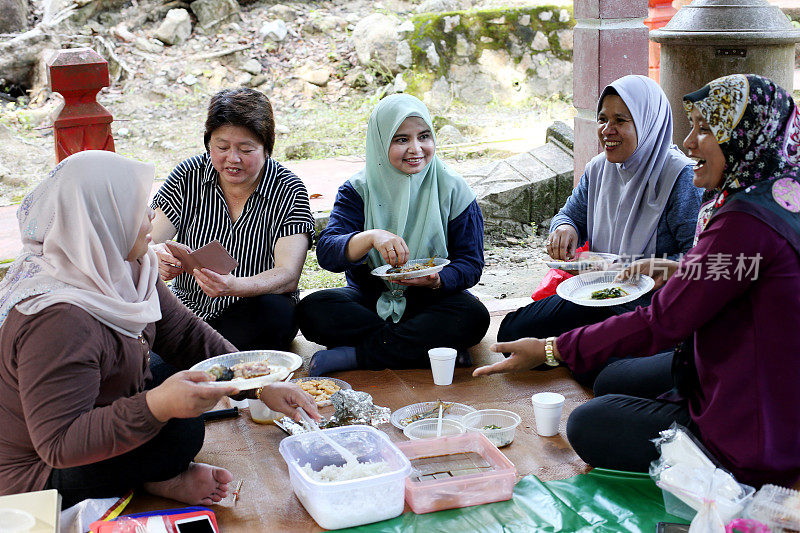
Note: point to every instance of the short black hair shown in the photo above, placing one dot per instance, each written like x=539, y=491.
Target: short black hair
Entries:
x=242, y=107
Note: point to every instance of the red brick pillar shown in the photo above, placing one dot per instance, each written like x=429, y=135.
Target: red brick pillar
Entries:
x=661, y=12
x=78, y=74
x=610, y=42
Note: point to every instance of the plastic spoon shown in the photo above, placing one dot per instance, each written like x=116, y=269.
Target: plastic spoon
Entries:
x=344, y=452
x=439, y=423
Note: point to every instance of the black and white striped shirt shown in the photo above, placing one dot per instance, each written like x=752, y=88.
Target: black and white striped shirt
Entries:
x=193, y=201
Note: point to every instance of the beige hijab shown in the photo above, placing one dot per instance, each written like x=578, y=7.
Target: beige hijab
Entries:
x=77, y=228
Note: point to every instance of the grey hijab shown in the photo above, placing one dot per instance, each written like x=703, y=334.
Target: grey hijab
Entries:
x=626, y=200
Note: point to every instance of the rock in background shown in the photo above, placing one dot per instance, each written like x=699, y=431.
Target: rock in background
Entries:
x=476, y=56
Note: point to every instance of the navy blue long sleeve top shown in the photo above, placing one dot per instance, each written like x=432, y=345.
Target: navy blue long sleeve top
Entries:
x=464, y=246
x=676, y=227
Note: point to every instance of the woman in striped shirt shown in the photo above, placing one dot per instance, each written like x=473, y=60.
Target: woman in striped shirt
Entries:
x=405, y=204
x=237, y=194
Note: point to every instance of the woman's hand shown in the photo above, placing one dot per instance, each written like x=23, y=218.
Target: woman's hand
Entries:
x=392, y=248
x=561, y=244
x=658, y=269
x=216, y=285
x=184, y=395
x=287, y=397
x=169, y=266
x=526, y=353
x=432, y=282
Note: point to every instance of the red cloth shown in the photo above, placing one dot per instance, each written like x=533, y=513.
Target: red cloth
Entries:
x=547, y=287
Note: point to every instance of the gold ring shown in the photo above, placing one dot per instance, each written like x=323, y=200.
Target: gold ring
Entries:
x=258, y=392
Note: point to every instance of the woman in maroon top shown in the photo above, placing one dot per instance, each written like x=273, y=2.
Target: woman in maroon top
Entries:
x=79, y=311
x=732, y=300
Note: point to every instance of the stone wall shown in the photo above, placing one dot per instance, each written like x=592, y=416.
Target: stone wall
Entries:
x=522, y=193
x=475, y=56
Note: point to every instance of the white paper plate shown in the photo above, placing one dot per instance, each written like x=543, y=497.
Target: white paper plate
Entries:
x=579, y=289
x=439, y=263
x=590, y=261
x=455, y=412
x=281, y=363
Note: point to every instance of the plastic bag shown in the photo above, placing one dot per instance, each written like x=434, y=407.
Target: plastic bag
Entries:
x=686, y=472
x=777, y=507
x=554, y=276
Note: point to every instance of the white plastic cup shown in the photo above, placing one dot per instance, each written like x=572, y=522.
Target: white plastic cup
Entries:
x=443, y=362
x=547, y=407
x=262, y=414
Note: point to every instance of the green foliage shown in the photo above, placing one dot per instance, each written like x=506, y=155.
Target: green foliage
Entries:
x=315, y=277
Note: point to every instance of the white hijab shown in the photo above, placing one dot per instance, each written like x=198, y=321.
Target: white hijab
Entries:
x=626, y=199
x=77, y=228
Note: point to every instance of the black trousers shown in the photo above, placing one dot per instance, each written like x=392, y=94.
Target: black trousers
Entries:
x=343, y=317
x=552, y=316
x=614, y=430
x=163, y=457
x=264, y=322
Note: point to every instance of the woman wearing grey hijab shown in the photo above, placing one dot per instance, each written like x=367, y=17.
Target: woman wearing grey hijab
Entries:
x=635, y=199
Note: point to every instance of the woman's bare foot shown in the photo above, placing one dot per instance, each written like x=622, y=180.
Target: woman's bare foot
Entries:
x=201, y=484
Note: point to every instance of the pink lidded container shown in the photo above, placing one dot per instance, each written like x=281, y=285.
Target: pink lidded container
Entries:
x=456, y=471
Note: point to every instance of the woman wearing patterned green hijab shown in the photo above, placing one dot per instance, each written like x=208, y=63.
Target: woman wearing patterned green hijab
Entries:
x=405, y=204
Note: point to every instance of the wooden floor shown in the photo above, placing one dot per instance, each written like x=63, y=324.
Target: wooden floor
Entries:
x=250, y=450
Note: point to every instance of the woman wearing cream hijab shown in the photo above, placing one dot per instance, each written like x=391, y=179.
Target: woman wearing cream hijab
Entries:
x=405, y=204
x=79, y=311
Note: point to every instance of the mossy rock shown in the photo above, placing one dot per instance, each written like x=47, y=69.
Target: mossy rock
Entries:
x=484, y=28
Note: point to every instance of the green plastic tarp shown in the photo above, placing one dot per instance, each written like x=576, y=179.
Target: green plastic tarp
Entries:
x=600, y=501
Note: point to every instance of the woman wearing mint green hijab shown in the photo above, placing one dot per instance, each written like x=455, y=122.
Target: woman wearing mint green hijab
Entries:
x=405, y=204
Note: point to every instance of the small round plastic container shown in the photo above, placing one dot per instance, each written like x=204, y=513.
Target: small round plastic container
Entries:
x=15, y=521
x=261, y=414
x=507, y=422
x=427, y=428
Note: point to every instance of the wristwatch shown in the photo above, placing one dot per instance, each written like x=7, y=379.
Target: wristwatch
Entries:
x=549, y=356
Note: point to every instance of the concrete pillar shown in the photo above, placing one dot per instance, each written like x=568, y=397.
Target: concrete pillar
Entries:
x=610, y=42
x=661, y=12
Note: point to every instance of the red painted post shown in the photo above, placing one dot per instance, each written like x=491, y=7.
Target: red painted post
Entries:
x=610, y=41
x=661, y=11
x=78, y=74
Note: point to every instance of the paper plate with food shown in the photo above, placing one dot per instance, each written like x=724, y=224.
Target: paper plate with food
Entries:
x=600, y=289
x=411, y=413
x=250, y=370
x=321, y=388
x=585, y=261
x=416, y=268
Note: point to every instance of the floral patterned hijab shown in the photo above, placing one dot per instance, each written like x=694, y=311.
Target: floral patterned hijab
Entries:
x=757, y=125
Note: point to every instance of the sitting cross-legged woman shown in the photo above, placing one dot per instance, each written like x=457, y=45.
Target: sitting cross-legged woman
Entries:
x=731, y=305
x=80, y=310
x=406, y=204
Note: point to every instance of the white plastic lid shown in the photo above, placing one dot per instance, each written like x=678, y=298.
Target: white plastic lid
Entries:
x=15, y=521
x=442, y=353
x=547, y=399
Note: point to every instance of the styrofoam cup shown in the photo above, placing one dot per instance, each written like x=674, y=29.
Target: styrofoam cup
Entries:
x=262, y=414
x=443, y=362
x=547, y=407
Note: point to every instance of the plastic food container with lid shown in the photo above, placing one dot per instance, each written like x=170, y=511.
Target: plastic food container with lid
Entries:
x=427, y=428
x=498, y=425
x=495, y=483
x=339, y=504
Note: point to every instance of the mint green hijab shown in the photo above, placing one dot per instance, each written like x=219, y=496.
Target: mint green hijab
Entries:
x=417, y=207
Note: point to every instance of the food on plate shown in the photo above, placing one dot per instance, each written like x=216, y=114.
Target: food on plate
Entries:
x=320, y=389
x=430, y=413
x=252, y=369
x=220, y=373
x=610, y=292
x=411, y=268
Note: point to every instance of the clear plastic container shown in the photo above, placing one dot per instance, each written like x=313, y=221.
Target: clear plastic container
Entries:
x=777, y=507
x=340, y=504
x=427, y=428
x=493, y=485
x=502, y=425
